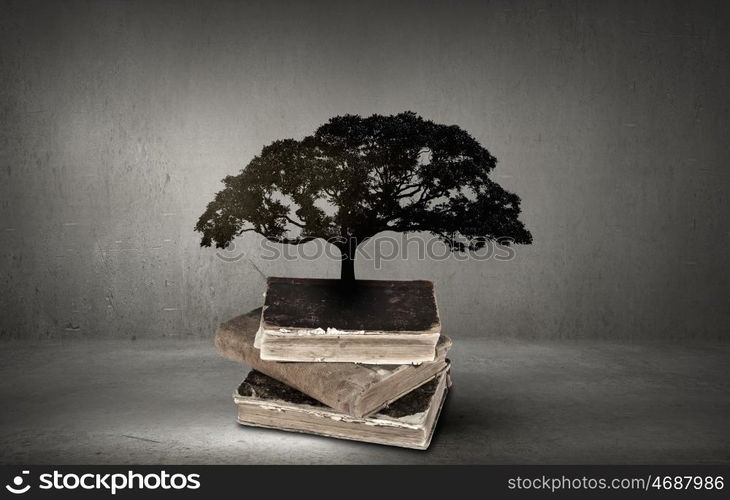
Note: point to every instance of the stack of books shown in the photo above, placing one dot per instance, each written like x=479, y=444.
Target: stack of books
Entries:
x=364, y=362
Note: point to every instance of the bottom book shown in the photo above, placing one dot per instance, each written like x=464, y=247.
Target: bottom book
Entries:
x=408, y=422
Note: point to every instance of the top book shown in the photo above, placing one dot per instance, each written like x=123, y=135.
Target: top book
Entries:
x=368, y=321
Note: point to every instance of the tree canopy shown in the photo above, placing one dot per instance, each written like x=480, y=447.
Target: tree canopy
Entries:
x=355, y=177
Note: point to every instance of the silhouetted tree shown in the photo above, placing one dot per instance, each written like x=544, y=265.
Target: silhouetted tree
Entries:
x=356, y=177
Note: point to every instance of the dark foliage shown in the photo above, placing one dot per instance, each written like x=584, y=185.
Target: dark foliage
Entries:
x=356, y=177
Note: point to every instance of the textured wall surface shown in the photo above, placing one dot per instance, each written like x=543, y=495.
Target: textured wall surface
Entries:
x=118, y=120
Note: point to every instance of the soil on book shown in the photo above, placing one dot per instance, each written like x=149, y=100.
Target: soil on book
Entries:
x=262, y=386
x=395, y=306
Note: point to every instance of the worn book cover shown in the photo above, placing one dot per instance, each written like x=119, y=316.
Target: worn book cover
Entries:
x=376, y=322
x=354, y=389
x=407, y=422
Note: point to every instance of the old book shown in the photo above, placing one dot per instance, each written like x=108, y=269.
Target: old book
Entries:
x=408, y=422
x=375, y=322
x=350, y=388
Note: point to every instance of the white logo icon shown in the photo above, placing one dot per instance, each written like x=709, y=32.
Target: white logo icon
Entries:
x=18, y=481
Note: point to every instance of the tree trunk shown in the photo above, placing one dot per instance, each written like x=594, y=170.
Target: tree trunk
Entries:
x=347, y=271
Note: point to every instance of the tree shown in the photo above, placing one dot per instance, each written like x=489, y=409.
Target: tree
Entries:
x=355, y=177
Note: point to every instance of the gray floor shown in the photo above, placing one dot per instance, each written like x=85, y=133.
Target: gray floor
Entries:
x=513, y=402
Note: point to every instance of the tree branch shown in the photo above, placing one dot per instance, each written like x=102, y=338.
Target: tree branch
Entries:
x=401, y=194
x=292, y=241
x=302, y=226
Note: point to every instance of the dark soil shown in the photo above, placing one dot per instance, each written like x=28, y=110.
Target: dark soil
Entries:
x=359, y=305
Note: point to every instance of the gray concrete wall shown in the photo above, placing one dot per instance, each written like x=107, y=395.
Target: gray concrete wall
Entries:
x=120, y=118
